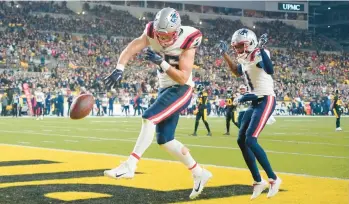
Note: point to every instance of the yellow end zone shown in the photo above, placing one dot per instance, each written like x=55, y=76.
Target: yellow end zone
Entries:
x=227, y=185
x=71, y=195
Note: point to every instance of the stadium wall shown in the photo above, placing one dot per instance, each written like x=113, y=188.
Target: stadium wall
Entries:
x=195, y=17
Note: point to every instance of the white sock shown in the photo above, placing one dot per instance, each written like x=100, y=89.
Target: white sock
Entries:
x=180, y=152
x=144, y=140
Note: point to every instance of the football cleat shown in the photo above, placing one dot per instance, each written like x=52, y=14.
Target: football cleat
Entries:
x=274, y=187
x=258, y=188
x=122, y=171
x=227, y=133
x=194, y=134
x=339, y=129
x=199, y=183
x=209, y=134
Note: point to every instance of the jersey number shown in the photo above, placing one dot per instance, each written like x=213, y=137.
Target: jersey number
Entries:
x=172, y=60
x=249, y=82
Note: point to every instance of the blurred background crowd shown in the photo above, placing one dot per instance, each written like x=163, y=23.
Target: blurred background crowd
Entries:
x=45, y=44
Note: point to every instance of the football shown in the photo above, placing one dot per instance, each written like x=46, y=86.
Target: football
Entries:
x=81, y=106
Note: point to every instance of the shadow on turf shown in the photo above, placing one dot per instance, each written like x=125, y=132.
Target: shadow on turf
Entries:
x=120, y=194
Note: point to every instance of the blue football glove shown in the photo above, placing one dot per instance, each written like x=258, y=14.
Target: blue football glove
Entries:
x=153, y=56
x=247, y=97
x=113, y=79
x=263, y=40
x=223, y=47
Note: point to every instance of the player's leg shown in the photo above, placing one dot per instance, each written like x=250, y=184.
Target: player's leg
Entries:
x=169, y=101
x=204, y=119
x=228, y=117
x=241, y=115
x=235, y=119
x=260, y=116
x=337, y=113
x=259, y=185
x=197, y=119
x=165, y=138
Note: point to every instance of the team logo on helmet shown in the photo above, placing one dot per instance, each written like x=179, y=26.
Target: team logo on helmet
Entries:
x=174, y=17
x=243, y=32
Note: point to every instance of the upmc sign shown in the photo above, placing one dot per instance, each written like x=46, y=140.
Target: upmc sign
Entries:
x=291, y=7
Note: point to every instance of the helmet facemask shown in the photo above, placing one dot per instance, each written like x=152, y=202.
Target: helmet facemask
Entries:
x=241, y=49
x=166, y=39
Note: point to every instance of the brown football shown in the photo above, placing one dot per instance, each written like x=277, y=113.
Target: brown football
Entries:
x=81, y=106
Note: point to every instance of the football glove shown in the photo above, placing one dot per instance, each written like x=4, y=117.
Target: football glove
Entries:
x=223, y=47
x=113, y=79
x=152, y=56
x=263, y=40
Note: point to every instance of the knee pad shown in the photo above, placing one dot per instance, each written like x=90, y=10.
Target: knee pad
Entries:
x=251, y=142
x=175, y=147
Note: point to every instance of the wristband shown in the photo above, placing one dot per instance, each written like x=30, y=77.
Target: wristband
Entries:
x=120, y=67
x=165, y=66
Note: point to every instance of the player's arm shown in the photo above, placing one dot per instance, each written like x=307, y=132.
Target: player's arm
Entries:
x=133, y=48
x=186, y=63
x=266, y=62
x=235, y=68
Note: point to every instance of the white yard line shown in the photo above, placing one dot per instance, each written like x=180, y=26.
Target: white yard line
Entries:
x=163, y=160
x=48, y=141
x=189, y=145
x=24, y=142
x=71, y=141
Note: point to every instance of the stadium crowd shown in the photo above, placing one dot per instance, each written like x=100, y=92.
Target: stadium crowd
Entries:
x=66, y=62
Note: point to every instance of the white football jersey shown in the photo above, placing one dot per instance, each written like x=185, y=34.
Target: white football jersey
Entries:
x=40, y=97
x=189, y=37
x=257, y=80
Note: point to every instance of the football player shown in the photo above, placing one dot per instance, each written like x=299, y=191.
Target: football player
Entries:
x=40, y=99
x=230, y=110
x=171, y=47
x=255, y=66
x=202, y=110
x=336, y=107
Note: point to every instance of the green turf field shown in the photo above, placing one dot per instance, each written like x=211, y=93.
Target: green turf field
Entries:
x=295, y=145
x=305, y=146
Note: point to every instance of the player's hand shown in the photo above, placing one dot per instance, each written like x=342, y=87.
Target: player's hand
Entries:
x=223, y=47
x=113, y=79
x=153, y=56
x=263, y=40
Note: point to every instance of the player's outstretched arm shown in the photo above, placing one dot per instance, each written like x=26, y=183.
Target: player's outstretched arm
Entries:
x=266, y=62
x=223, y=48
x=133, y=48
x=233, y=66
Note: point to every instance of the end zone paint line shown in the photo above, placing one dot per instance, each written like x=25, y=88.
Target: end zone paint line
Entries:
x=164, y=160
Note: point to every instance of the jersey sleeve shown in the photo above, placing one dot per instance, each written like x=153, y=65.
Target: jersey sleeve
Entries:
x=256, y=56
x=149, y=29
x=192, y=41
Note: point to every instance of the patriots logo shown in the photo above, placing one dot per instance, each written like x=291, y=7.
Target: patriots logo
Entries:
x=243, y=32
x=174, y=17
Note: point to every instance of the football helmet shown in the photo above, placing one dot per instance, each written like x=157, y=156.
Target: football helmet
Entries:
x=167, y=26
x=244, y=41
x=199, y=88
x=242, y=89
x=229, y=91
